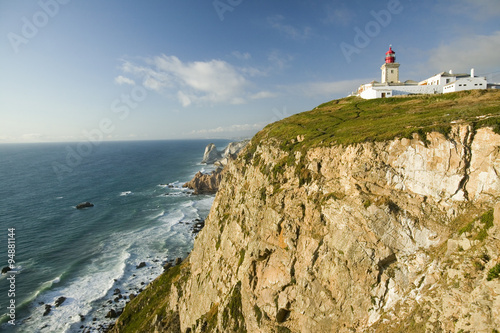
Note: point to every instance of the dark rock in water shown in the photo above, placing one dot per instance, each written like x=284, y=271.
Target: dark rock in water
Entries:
x=141, y=265
x=82, y=317
x=60, y=301
x=6, y=269
x=167, y=266
x=111, y=314
x=116, y=291
x=84, y=205
x=178, y=261
x=48, y=307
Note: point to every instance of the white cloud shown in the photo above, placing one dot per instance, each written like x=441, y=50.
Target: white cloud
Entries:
x=277, y=22
x=472, y=51
x=124, y=80
x=213, y=81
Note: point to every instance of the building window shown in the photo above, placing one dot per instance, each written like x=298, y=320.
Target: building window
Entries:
x=392, y=71
x=447, y=80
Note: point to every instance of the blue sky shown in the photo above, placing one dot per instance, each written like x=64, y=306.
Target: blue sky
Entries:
x=73, y=70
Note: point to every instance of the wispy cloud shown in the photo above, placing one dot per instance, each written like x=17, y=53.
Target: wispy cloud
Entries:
x=237, y=128
x=124, y=80
x=213, y=81
x=278, y=22
x=241, y=56
x=478, y=51
x=279, y=60
x=477, y=9
x=336, y=15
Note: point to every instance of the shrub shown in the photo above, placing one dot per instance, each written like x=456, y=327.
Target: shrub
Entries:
x=494, y=272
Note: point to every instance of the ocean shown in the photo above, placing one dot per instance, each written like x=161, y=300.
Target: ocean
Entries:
x=141, y=213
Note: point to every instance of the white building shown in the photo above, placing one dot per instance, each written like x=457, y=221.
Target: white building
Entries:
x=437, y=84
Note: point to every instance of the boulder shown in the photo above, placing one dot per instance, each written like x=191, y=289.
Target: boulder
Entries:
x=111, y=314
x=178, y=261
x=48, y=307
x=59, y=301
x=167, y=266
x=211, y=154
x=141, y=265
x=6, y=269
x=84, y=205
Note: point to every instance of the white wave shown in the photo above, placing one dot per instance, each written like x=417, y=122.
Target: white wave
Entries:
x=125, y=193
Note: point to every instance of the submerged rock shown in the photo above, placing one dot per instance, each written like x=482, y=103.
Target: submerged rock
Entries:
x=48, y=308
x=6, y=269
x=84, y=205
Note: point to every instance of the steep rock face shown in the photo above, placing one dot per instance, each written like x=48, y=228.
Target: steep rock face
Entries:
x=211, y=154
x=348, y=239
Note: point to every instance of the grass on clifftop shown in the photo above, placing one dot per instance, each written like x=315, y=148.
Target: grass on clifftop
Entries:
x=354, y=120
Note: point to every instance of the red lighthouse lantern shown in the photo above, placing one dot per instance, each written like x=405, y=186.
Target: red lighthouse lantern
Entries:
x=390, y=56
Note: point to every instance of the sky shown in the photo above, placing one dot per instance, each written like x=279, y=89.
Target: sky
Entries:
x=76, y=71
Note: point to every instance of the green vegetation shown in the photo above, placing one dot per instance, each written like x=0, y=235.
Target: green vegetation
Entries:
x=467, y=228
x=487, y=220
x=354, y=120
x=494, y=272
x=139, y=313
x=242, y=257
x=232, y=316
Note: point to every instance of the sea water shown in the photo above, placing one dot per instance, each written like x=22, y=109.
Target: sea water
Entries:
x=141, y=213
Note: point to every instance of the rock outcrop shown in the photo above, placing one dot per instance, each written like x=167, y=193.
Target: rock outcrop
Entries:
x=205, y=183
x=401, y=235
x=84, y=205
x=211, y=154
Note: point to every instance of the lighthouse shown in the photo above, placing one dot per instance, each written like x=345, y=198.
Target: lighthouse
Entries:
x=390, y=69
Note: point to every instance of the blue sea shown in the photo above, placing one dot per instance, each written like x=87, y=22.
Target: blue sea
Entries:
x=141, y=213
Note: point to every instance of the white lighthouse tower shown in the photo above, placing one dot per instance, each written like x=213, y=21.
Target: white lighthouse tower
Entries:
x=390, y=70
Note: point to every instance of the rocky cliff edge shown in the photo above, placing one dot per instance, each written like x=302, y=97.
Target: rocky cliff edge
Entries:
x=396, y=235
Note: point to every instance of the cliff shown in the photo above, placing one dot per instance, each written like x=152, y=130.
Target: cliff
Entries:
x=358, y=216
